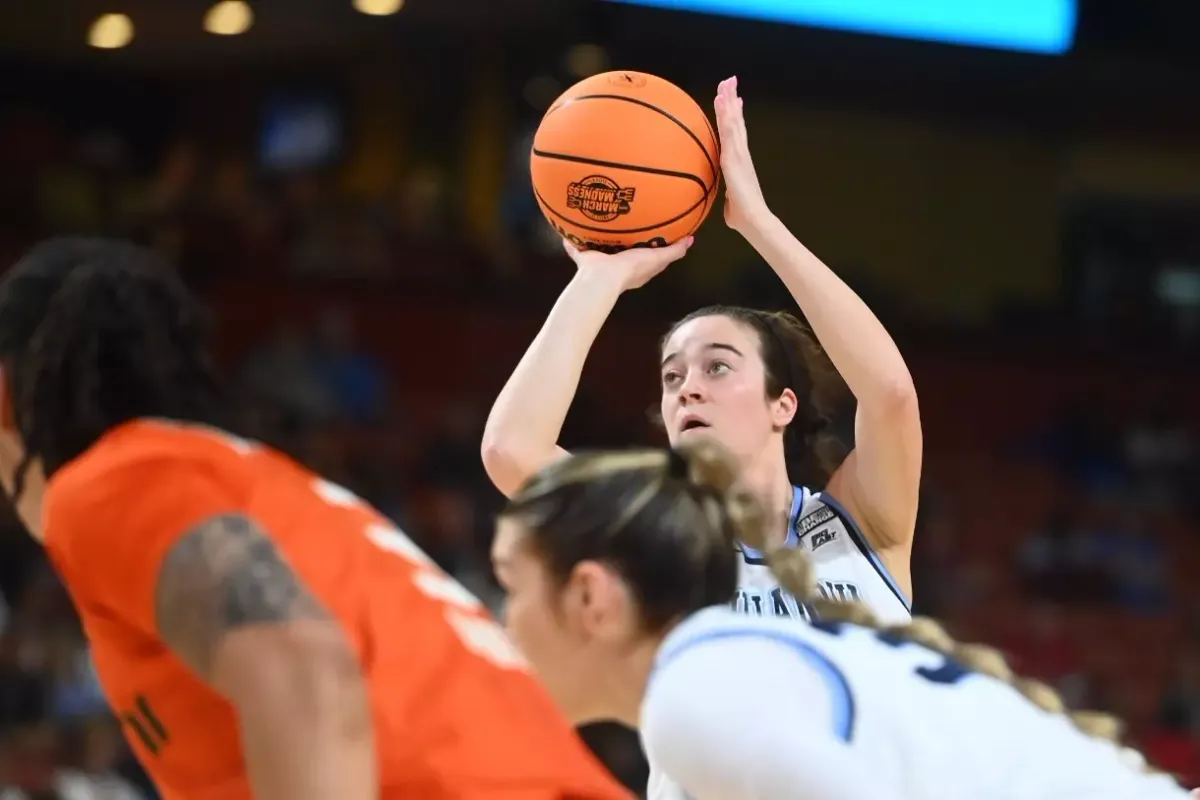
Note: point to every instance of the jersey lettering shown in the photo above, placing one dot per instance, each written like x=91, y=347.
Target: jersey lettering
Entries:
x=948, y=673
x=839, y=591
x=478, y=633
x=819, y=517
x=773, y=602
x=146, y=725
x=779, y=606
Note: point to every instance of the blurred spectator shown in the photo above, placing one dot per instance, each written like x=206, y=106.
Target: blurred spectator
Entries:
x=1060, y=562
x=1159, y=449
x=452, y=457
x=356, y=380
x=95, y=750
x=34, y=765
x=24, y=689
x=1082, y=444
x=284, y=372
x=421, y=212
x=76, y=691
x=1181, y=703
x=1135, y=563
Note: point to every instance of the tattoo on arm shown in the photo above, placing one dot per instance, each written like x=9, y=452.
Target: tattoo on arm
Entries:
x=222, y=575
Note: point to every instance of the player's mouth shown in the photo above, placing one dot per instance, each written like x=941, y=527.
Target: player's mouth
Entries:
x=693, y=423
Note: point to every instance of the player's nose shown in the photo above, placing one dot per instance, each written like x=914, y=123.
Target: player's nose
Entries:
x=691, y=390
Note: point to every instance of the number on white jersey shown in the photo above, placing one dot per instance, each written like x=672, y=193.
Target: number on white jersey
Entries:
x=478, y=633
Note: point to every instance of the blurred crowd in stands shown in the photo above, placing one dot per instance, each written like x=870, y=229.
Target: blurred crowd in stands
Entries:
x=1067, y=538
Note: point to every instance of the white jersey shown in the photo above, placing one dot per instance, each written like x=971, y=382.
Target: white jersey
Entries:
x=758, y=708
x=846, y=568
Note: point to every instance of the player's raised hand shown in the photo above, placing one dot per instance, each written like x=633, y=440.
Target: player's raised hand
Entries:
x=743, y=196
x=633, y=267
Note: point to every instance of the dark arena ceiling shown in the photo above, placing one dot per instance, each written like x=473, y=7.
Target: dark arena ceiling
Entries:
x=170, y=32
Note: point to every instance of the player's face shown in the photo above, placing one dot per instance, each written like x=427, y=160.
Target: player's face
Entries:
x=571, y=633
x=12, y=453
x=714, y=384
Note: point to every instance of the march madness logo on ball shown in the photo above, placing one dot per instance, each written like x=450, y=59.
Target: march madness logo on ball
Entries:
x=599, y=199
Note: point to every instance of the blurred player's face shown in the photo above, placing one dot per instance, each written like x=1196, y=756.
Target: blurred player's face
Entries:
x=573, y=634
x=12, y=452
x=714, y=384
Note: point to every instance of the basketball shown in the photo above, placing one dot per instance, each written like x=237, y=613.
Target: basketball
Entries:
x=625, y=159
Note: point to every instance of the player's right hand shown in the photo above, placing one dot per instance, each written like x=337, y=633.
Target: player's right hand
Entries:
x=632, y=267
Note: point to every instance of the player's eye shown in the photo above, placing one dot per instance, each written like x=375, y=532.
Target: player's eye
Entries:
x=718, y=368
x=671, y=378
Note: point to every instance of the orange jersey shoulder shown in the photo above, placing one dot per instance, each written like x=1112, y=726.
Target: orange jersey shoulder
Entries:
x=456, y=713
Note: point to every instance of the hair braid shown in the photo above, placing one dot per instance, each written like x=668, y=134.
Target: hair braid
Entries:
x=794, y=571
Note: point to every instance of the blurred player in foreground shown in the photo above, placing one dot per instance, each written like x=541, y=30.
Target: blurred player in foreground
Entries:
x=259, y=631
x=619, y=571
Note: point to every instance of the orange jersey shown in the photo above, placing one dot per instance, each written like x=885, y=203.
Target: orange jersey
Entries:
x=456, y=713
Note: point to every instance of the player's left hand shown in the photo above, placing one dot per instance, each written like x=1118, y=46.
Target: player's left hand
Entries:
x=744, y=201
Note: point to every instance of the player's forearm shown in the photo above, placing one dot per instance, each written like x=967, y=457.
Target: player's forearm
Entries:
x=855, y=340
x=305, y=724
x=525, y=421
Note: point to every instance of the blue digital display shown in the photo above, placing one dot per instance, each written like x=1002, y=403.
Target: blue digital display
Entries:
x=1030, y=26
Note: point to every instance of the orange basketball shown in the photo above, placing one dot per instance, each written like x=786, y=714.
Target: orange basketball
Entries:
x=625, y=159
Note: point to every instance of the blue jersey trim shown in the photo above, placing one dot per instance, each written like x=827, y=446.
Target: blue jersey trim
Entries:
x=864, y=546
x=752, y=556
x=840, y=696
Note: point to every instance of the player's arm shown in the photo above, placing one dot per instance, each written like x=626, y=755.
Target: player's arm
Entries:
x=229, y=606
x=522, y=430
x=880, y=481
x=722, y=736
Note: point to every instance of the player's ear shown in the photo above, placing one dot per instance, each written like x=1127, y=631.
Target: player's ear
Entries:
x=594, y=594
x=784, y=408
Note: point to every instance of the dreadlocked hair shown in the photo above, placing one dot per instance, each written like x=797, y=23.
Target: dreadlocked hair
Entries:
x=794, y=571
x=95, y=333
x=792, y=359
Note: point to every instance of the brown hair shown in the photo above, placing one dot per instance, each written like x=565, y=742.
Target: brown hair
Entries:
x=794, y=571
x=792, y=359
x=663, y=519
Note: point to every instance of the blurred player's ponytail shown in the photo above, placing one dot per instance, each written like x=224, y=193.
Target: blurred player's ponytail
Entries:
x=665, y=520
x=793, y=359
x=793, y=569
x=95, y=333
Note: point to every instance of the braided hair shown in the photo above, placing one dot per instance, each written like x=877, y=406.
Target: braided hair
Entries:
x=795, y=573
x=95, y=333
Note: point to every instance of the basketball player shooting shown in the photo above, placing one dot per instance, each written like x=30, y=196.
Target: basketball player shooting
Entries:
x=759, y=384
x=756, y=382
x=260, y=632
